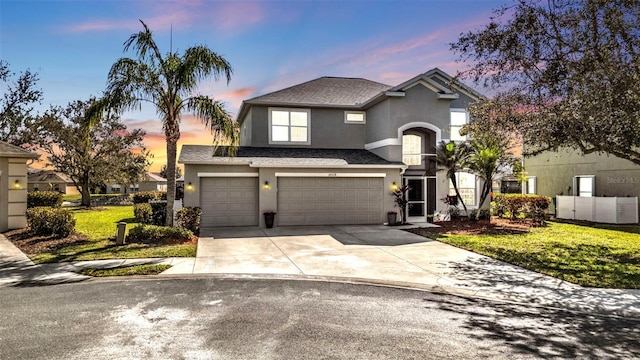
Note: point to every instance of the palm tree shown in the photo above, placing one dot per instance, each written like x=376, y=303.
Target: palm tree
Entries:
x=169, y=83
x=452, y=157
x=490, y=156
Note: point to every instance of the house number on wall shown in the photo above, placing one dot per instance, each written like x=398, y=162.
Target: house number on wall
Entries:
x=331, y=174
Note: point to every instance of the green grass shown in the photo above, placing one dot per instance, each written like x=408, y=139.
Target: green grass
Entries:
x=149, y=269
x=78, y=197
x=100, y=226
x=595, y=256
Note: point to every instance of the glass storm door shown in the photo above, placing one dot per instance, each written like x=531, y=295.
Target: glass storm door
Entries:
x=416, y=206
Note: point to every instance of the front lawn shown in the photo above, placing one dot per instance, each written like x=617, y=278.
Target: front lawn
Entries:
x=98, y=227
x=589, y=255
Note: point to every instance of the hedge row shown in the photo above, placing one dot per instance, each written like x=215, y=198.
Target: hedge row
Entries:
x=44, y=198
x=47, y=221
x=515, y=205
x=146, y=196
x=152, y=234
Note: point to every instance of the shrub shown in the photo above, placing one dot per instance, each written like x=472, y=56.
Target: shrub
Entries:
x=152, y=234
x=44, y=198
x=516, y=205
x=47, y=221
x=189, y=218
x=158, y=212
x=485, y=214
x=143, y=213
x=146, y=196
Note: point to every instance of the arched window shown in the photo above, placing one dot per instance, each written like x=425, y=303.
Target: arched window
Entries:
x=412, y=149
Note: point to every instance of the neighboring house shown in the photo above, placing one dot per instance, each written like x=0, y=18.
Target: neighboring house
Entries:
x=149, y=182
x=13, y=186
x=331, y=151
x=567, y=172
x=50, y=180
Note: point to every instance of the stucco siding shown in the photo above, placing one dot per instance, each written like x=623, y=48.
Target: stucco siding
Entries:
x=246, y=130
x=268, y=195
x=328, y=129
x=13, y=200
x=554, y=172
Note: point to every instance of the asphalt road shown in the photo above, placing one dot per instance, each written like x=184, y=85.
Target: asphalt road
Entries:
x=279, y=319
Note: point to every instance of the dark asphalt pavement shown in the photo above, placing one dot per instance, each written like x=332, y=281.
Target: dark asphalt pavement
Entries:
x=281, y=319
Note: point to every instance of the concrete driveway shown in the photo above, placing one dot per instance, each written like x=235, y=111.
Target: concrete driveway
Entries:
x=392, y=256
x=372, y=252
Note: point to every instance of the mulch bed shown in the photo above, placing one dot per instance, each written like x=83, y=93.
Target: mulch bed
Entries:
x=31, y=245
x=495, y=226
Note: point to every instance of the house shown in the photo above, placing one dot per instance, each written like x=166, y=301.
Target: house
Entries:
x=149, y=182
x=13, y=186
x=50, y=180
x=331, y=151
x=568, y=172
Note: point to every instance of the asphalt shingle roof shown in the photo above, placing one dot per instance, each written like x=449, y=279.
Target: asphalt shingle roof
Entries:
x=326, y=91
x=49, y=176
x=273, y=156
x=8, y=150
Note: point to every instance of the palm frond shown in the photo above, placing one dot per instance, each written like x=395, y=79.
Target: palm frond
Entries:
x=215, y=117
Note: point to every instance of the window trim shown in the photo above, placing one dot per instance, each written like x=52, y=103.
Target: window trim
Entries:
x=459, y=110
x=576, y=185
x=530, y=180
x=364, y=117
x=270, y=110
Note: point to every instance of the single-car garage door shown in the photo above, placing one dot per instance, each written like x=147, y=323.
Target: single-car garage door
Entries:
x=229, y=201
x=329, y=200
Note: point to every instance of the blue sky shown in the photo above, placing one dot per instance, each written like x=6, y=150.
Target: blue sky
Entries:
x=270, y=44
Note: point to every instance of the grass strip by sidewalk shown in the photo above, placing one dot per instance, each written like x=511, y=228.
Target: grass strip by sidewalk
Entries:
x=606, y=256
x=147, y=269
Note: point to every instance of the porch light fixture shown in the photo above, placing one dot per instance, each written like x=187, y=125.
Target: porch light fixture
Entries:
x=189, y=186
x=394, y=186
x=266, y=185
x=17, y=185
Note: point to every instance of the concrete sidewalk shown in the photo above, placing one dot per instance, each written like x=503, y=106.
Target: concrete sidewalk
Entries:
x=362, y=254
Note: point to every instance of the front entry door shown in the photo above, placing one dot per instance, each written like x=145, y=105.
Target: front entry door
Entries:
x=416, y=196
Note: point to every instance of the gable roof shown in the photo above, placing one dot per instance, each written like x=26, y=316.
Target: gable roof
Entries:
x=48, y=176
x=282, y=157
x=324, y=91
x=8, y=150
x=355, y=93
x=329, y=91
x=149, y=176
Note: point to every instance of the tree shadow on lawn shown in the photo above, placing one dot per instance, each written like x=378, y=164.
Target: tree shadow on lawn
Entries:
x=497, y=278
x=544, y=332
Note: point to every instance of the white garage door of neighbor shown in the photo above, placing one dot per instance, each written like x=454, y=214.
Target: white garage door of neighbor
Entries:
x=328, y=201
x=229, y=201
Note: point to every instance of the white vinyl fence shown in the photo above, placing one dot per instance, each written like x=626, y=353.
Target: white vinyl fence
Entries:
x=612, y=210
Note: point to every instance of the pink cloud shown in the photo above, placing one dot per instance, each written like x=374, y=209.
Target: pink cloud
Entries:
x=182, y=14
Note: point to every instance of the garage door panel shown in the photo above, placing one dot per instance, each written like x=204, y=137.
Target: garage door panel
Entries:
x=229, y=201
x=322, y=201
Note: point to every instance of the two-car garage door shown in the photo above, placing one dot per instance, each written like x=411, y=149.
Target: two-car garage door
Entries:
x=330, y=200
x=233, y=201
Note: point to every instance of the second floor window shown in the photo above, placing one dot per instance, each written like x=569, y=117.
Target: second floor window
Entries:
x=459, y=117
x=289, y=126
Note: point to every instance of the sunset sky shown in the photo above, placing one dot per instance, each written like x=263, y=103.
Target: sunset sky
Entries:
x=270, y=44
